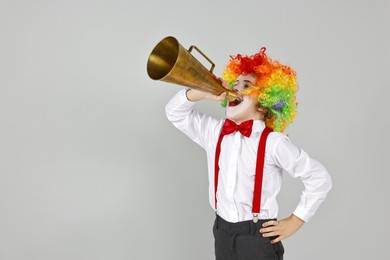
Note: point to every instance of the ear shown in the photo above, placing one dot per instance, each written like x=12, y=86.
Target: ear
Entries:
x=262, y=109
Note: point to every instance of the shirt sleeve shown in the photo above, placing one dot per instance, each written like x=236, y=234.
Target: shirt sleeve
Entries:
x=311, y=172
x=197, y=126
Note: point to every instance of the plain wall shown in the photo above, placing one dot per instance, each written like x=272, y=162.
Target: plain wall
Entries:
x=90, y=168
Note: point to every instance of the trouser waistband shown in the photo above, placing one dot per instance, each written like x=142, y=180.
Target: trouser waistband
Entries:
x=242, y=227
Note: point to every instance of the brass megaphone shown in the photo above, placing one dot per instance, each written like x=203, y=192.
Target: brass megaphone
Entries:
x=170, y=62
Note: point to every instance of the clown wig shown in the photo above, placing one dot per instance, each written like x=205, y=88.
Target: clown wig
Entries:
x=274, y=88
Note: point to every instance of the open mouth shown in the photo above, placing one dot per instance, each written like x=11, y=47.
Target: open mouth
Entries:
x=235, y=102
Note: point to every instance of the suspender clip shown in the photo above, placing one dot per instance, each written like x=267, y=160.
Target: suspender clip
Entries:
x=255, y=218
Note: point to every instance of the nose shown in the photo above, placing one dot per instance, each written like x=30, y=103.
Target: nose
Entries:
x=238, y=87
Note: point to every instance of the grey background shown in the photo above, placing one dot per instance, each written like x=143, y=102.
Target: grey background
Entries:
x=91, y=169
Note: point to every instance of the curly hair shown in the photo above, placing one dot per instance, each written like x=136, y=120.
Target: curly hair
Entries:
x=275, y=86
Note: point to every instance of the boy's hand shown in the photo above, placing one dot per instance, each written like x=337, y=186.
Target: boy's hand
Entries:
x=196, y=95
x=281, y=229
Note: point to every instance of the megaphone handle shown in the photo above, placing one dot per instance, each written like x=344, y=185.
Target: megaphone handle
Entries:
x=204, y=55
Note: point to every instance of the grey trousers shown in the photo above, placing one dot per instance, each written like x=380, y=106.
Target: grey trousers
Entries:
x=243, y=241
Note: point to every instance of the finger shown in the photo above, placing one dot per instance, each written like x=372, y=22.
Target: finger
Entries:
x=224, y=83
x=268, y=229
x=270, y=223
x=271, y=234
x=215, y=97
x=221, y=97
x=276, y=240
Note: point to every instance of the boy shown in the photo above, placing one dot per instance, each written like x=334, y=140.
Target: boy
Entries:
x=247, y=153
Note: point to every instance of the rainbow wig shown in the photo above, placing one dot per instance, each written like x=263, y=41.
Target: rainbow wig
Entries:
x=275, y=87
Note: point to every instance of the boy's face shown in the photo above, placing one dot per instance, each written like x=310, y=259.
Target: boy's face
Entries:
x=247, y=106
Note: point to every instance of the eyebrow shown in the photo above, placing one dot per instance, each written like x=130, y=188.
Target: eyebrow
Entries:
x=245, y=80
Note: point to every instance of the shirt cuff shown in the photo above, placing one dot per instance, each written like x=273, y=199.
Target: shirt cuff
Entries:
x=182, y=98
x=303, y=214
x=178, y=105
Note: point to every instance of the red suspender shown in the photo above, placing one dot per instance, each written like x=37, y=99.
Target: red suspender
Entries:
x=259, y=171
x=216, y=169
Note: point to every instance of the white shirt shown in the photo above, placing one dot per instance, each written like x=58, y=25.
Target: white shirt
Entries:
x=237, y=165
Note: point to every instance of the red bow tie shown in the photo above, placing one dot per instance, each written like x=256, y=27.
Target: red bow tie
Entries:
x=245, y=128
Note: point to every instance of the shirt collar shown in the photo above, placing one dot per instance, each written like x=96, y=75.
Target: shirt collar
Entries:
x=258, y=126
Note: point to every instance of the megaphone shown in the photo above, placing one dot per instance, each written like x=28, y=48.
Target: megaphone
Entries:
x=169, y=61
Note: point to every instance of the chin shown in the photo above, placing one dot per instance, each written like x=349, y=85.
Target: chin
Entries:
x=236, y=113
x=235, y=117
